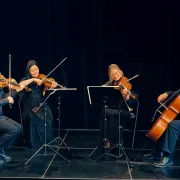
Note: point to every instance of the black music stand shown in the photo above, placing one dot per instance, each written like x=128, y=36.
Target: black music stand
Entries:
x=112, y=98
x=59, y=140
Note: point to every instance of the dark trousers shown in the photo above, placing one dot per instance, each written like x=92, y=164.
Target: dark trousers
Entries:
x=167, y=141
x=9, y=130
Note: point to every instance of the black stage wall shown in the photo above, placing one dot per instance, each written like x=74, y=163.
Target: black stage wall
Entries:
x=142, y=38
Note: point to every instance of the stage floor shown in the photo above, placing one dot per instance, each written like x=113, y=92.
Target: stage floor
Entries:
x=80, y=166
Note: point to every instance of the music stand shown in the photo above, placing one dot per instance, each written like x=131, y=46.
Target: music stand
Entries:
x=112, y=97
x=57, y=138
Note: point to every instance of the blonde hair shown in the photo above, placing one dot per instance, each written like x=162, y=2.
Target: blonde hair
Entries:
x=111, y=67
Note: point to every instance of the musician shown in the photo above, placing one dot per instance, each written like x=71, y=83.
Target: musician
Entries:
x=165, y=146
x=9, y=129
x=112, y=112
x=31, y=98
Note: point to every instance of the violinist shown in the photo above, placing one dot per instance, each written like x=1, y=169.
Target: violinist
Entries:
x=112, y=113
x=9, y=128
x=164, y=147
x=31, y=98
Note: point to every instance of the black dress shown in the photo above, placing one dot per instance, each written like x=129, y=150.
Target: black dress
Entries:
x=34, y=122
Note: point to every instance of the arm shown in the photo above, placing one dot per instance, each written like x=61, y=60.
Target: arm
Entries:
x=164, y=96
x=6, y=98
x=108, y=83
x=3, y=100
x=170, y=93
x=29, y=81
x=26, y=82
x=132, y=103
x=14, y=94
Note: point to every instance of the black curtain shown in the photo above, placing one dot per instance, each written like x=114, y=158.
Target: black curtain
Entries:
x=142, y=38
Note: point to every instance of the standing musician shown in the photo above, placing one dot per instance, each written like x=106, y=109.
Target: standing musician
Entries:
x=165, y=145
x=31, y=98
x=9, y=129
x=117, y=78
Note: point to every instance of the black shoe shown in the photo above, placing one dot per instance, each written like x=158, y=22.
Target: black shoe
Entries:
x=165, y=161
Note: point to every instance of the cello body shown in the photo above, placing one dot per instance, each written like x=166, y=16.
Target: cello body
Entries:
x=161, y=124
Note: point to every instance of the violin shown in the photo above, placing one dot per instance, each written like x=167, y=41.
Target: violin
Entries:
x=123, y=83
x=48, y=81
x=4, y=82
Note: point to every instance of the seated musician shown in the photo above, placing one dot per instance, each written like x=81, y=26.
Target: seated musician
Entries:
x=112, y=112
x=9, y=129
x=31, y=98
x=165, y=145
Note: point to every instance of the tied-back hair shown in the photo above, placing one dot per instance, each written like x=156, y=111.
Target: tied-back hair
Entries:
x=114, y=66
x=28, y=66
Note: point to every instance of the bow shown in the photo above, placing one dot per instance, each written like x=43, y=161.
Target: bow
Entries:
x=10, y=90
x=54, y=68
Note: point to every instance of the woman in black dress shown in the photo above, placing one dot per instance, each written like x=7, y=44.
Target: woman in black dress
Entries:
x=31, y=98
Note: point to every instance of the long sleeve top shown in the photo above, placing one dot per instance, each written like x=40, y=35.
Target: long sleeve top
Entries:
x=4, y=100
x=130, y=102
x=170, y=93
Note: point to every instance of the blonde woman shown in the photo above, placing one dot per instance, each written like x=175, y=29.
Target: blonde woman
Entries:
x=112, y=111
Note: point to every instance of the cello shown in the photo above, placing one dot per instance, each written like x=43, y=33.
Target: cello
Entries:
x=168, y=115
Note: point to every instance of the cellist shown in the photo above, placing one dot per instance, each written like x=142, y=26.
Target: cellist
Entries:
x=164, y=147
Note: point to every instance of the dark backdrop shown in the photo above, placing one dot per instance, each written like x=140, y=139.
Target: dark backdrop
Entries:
x=142, y=38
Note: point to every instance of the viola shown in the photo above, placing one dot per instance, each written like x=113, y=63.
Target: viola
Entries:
x=4, y=82
x=124, y=83
x=48, y=81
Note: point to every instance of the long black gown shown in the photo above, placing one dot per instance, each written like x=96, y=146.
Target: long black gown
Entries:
x=34, y=123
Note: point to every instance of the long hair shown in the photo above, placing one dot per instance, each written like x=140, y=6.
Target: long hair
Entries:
x=114, y=66
x=28, y=66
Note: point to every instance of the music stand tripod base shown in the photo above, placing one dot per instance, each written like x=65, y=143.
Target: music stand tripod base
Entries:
x=109, y=94
x=45, y=145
